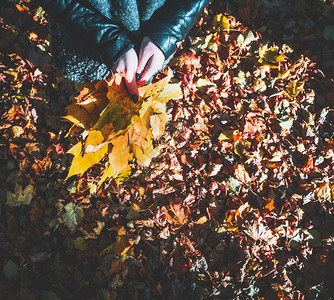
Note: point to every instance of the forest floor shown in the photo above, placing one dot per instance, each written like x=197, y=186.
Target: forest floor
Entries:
x=238, y=204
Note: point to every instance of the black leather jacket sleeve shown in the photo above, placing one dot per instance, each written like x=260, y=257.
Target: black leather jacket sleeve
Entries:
x=96, y=31
x=172, y=22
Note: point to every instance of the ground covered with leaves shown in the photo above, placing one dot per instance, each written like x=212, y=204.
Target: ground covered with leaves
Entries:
x=217, y=184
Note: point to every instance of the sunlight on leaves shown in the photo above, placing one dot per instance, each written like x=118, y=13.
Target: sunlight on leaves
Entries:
x=270, y=56
x=83, y=161
x=120, y=247
x=325, y=192
x=119, y=128
x=286, y=122
x=220, y=22
x=205, y=43
x=294, y=88
x=246, y=39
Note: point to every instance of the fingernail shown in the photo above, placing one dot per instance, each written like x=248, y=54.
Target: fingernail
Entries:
x=134, y=98
x=137, y=76
x=141, y=83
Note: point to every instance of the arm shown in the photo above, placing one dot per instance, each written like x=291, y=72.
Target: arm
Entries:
x=172, y=22
x=96, y=31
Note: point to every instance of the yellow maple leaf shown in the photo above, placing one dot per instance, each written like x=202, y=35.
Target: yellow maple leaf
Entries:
x=141, y=145
x=90, y=103
x=145, y=154
x=94, y=141
x=220, y=22
x=120, y=108
x=120, y=247
x=325, y=192
x=270, y=56
x=129, y=127
x=158, y=124
x=120, y=153
x=153, y=115
x=83, y=161
x=138, y=132
x=161, y=91
x=110, y=172
x=294, y=88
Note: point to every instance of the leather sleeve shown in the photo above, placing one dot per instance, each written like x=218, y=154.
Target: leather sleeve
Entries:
x=93, y=29
x=171, y=23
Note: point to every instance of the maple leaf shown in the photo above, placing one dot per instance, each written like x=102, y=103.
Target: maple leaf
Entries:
x=90, y=103
x=122, y=245
x=120, y=108
x=177, y=215
x=294, y=88
x=220, y=22
x=270, y=56
x=128, y=127
x=118, y=158
x=161, y=91
x=82, y=161
x=143, y=148
x=325, y=192
x=120, y=154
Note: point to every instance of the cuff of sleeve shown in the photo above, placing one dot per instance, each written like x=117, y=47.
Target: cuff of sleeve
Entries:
x=166, y=42
x=113, y=52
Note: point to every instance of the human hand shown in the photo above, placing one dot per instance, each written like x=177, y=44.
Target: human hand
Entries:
x=128, y=64
x=151, y=59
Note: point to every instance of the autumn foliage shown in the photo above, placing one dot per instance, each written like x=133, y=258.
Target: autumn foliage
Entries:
x=216, y=184
x=116, y=126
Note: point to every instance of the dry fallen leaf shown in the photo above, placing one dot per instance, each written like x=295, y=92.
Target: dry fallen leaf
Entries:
x=270, y=55
x=72, y=216
x=20, y=196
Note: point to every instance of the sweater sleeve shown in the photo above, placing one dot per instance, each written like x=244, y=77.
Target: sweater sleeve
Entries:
x=93, y=29
x=172, y=22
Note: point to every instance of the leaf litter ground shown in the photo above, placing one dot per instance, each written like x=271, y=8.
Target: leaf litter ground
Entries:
x=236, y=203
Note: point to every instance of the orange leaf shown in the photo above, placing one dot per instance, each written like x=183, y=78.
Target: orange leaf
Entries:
x=270, y=205
x=177, y=215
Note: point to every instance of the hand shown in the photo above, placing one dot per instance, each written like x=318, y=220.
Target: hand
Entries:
x=151, y=59
x=128, y=64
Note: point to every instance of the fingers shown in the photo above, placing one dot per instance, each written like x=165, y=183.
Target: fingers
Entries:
x=153, y=65
x=151, y=59
x=117, y=68
x=144, y=57
x=130, y=80
x=128, y=64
